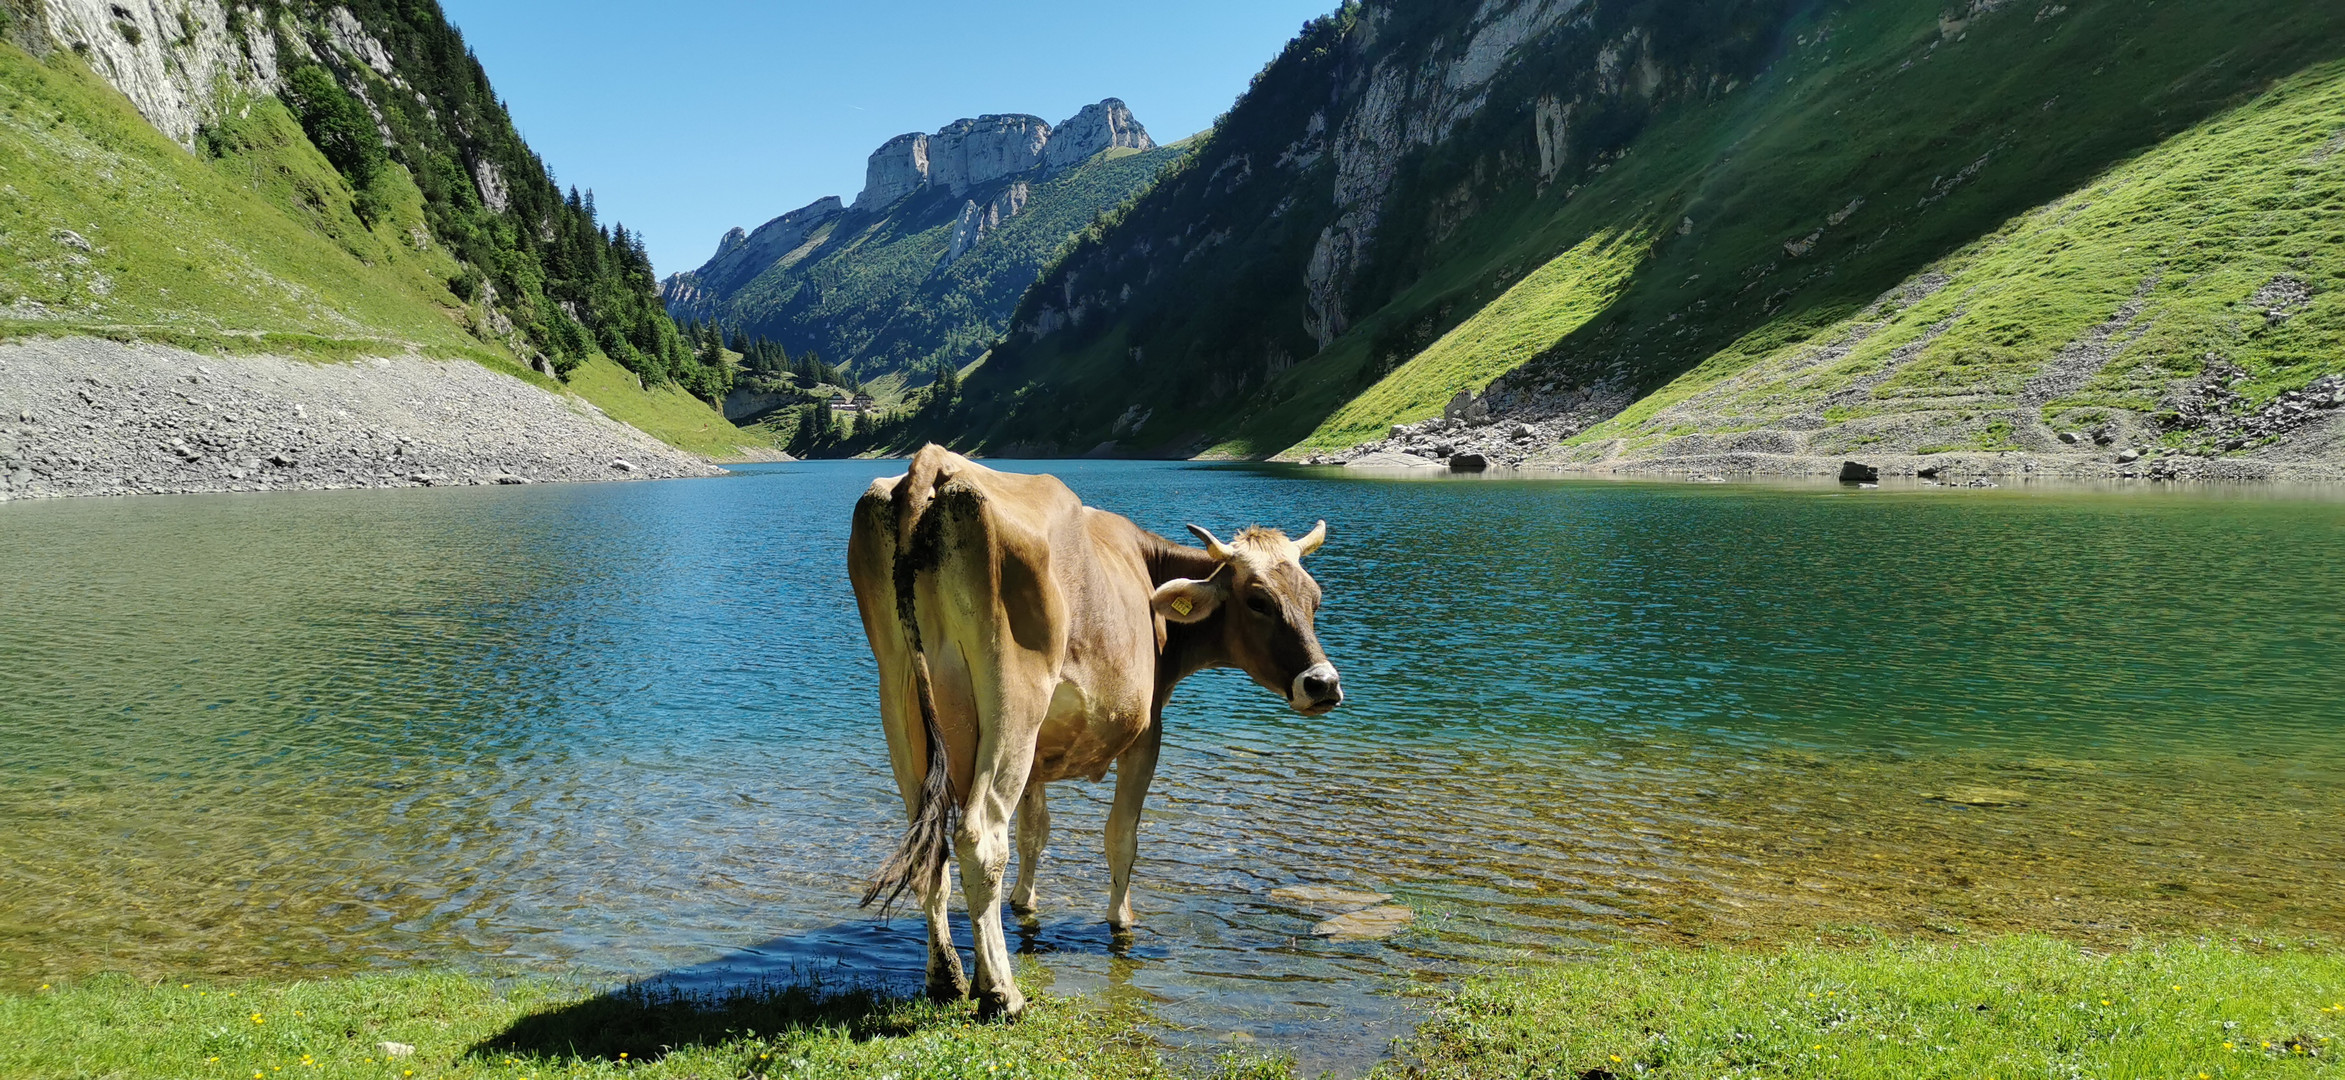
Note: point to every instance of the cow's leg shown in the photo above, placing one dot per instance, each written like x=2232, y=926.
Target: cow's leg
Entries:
x=983, y=841
x=946, y=980
x=1135, y=769
x=1033, y=834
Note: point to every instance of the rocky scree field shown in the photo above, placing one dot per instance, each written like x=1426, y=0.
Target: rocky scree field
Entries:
x=93, y=417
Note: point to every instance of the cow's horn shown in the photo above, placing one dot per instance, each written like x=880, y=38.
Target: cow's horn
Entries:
x=1311, y=540
x=1213, y=547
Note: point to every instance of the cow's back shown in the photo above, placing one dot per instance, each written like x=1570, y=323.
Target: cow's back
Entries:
x=1018, y=593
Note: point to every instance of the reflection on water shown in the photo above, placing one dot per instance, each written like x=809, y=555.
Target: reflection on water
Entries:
x=628, y=729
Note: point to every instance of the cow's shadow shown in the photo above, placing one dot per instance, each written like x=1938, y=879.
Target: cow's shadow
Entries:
x=864, y=977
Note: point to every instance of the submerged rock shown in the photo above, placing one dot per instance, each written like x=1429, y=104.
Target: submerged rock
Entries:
x=1979, y=796
x=1381, y=921
x=1392, y=459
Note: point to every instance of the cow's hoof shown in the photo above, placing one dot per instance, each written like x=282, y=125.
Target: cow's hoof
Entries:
x=1001, y=1006
x=948, y=990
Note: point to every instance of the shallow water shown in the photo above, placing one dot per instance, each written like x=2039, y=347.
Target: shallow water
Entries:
x=629, y=729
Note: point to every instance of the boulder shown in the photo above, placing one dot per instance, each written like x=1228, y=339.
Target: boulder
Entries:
x=1392, y=459
x=1468, y=463
x=1857, y=472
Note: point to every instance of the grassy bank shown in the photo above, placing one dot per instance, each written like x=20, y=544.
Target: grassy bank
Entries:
x=2011, y=1007
x=467, y=1026
x=2015, y=1007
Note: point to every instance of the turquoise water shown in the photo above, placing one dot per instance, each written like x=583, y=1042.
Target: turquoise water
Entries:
x=628, y=730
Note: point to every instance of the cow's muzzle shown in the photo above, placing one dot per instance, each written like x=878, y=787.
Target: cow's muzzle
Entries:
x=1317, y=690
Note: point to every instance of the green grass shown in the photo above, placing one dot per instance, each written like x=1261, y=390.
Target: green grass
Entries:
x=664, y=412
x=1873, y=144
x=2190, y=231
x=256, y=248
x=1527, y=319
x=1863, y=1007
x=251, y=247
x=2019, y=1007
x=464, y=1026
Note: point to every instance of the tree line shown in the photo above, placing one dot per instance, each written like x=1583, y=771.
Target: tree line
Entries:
x=570, y=285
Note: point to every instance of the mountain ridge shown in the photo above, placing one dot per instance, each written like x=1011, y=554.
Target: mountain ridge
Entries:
x=921, y=268
x=1732, y=176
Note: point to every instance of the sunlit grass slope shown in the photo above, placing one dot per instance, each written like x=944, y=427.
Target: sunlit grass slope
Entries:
x=258, y=249
x=1526, y=320
x=1872, y=142
x=107, y=228
x=664, y=412
x=2224, y=245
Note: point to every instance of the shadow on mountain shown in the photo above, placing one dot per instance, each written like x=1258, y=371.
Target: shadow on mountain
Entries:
x=863, y=976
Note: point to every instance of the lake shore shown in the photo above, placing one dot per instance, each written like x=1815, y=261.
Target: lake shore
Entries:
x=85, y=416
x=1856, y=1008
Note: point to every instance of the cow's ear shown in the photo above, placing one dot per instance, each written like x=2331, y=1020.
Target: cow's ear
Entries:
x=1188, y=600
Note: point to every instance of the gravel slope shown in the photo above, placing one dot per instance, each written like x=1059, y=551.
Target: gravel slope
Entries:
x=82, y=416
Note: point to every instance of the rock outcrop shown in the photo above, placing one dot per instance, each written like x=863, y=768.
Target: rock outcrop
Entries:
x=741, y=256
x=898, y=168
x=968, y=153
x=1097, y=127
x=179, y=63
x=971, y=153
x=976, y=221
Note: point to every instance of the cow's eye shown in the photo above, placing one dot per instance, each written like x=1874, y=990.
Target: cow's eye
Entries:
x=1259, y=603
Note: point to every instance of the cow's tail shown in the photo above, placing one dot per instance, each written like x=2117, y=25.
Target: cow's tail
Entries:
x=919, y=859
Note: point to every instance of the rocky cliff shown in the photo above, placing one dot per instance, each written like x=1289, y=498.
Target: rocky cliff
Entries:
x=974, y=153
x=1564, y=208
x=923, y=267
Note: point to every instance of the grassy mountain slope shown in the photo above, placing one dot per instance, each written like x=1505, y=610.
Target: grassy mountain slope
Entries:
x=255, y=239
x=110, y=228
x=870, y=289
x=1658, y=183
x=2219, y=252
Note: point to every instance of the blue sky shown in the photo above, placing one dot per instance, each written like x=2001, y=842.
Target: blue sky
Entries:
x=688, y=118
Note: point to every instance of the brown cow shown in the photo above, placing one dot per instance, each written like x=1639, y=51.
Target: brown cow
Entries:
x=1022, y=638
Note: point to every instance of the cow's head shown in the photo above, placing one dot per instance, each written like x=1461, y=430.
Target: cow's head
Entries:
x=1267, y=603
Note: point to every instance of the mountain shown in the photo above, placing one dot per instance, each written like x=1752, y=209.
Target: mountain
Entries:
x=1738, y=233
x=924, y=266
x=316, y=180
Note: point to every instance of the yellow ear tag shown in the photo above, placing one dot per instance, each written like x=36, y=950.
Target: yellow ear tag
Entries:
x=1182, y=605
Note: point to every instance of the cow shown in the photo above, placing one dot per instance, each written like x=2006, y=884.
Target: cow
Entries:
x=1024, y=638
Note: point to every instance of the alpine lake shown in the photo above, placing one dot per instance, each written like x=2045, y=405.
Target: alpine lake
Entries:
x=629, y=731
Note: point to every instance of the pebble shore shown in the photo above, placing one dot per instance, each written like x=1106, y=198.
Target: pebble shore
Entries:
x=83, y=416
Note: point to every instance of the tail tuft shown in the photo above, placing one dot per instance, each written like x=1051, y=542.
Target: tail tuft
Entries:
x=919, y=860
